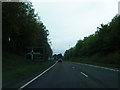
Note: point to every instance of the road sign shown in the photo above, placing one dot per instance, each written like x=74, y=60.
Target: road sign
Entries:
x=35, y=53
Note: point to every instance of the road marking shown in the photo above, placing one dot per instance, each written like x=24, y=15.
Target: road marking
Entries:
x=84, y=74
x=100, y=67
x=36, y=77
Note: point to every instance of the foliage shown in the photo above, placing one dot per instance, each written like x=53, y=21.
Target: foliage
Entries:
x=16, y=67
x=22, y=28
x=57, y=56
x=105, y=42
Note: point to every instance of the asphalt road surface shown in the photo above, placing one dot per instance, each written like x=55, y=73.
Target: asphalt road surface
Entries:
x=76, y=75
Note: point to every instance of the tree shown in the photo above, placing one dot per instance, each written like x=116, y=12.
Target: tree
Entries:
x=23, y=27
x=105, y=41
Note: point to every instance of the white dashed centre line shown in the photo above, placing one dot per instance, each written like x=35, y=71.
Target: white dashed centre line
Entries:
x=84, y=74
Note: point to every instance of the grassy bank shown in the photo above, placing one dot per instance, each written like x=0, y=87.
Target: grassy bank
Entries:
x=14, y=66
x=111, y=60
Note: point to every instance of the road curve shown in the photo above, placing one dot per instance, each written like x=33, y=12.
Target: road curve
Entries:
x=75, y=75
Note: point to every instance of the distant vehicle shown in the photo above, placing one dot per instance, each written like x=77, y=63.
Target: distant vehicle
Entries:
x=60, y=60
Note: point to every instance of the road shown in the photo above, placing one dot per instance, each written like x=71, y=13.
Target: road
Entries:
x=76, y=75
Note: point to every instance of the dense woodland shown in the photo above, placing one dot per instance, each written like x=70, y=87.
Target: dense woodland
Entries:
x=102, y=46
x=22, y=28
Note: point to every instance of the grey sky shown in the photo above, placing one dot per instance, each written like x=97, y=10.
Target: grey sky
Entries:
x=70, y=21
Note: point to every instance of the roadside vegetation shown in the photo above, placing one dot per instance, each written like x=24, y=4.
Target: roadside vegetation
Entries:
x=22, y=28
x=102, y=47
x=15, y=67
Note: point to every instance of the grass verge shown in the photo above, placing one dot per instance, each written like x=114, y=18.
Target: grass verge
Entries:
x=111, y=60
x=14, y=66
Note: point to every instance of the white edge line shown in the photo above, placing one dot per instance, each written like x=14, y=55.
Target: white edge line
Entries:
x=99, y=67
x=36, y=77
x=84, y=74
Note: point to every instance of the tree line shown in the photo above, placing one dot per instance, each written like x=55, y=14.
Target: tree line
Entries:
x=104, y=42
x=22, y=28
x=57, y=56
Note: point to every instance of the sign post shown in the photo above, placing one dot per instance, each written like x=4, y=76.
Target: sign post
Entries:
x=35, y=53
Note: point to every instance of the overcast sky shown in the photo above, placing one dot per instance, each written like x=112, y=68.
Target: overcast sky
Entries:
x=71, y=21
